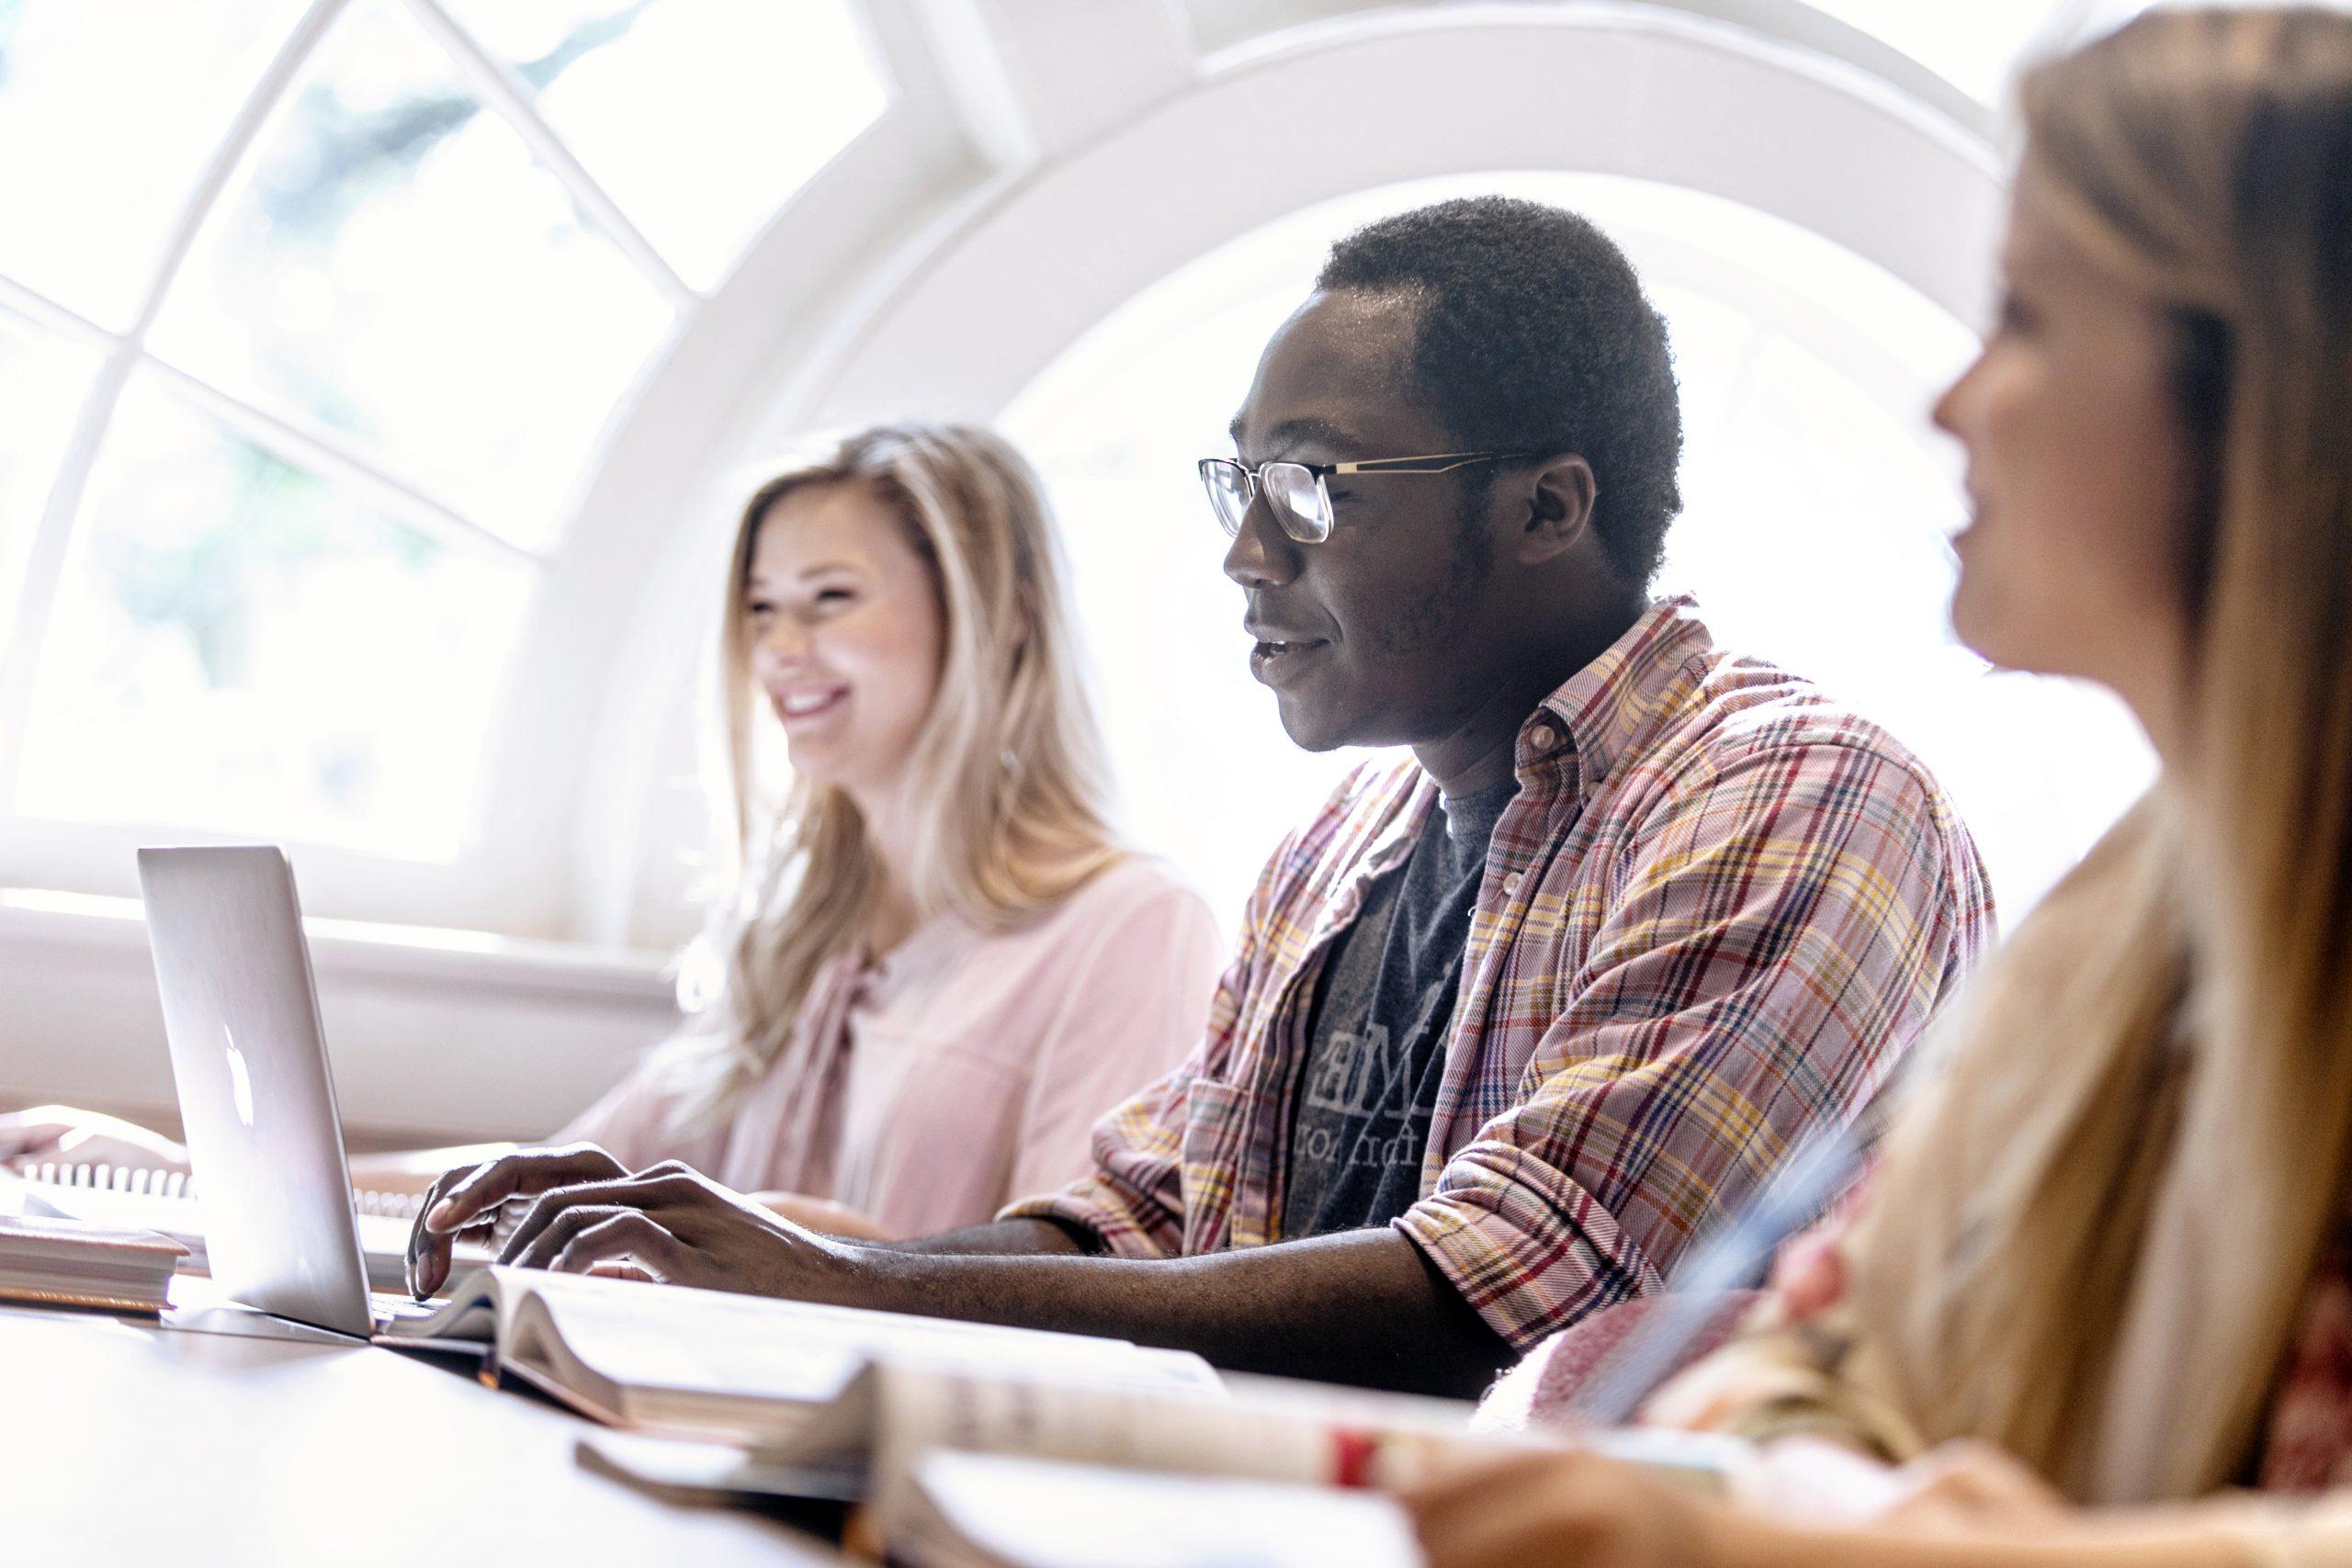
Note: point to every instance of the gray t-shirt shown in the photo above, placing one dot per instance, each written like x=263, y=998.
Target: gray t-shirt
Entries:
x=1376, y=1036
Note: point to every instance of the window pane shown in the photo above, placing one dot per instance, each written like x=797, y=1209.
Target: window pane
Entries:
x=1817, y=503
x=107, y=114
x=699, y=117
x=43, y=380
x=393, y=265
x=238, y=646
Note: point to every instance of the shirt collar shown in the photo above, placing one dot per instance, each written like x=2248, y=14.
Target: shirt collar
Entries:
x=1603, y=706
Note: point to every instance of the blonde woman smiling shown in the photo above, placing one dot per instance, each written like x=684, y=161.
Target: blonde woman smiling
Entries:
x=939, y=966
x=941, y=969
x=2099, y=1296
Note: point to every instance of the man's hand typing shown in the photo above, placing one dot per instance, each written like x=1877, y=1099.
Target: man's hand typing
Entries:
x=589, y=1214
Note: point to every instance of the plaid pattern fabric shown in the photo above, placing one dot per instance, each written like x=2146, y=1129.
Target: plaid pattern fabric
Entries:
x=2307, y=1437
x=1719, y=910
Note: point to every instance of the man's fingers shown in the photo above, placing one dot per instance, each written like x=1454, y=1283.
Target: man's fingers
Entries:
x=556, y=1233
x=624, y=1193
x=531, y=1171
x=427, y=1256
x=464, y=1197
x=629, y=1236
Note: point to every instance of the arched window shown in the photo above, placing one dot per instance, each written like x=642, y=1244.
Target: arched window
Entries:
x=320, y=318
x=1817, y=505
x=379, y=379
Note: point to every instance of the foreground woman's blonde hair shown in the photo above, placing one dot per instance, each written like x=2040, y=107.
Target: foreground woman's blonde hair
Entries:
x=2089, y=1246
x=1008, y=778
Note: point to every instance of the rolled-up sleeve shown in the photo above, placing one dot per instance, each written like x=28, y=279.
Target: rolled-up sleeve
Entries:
x=1780, y=933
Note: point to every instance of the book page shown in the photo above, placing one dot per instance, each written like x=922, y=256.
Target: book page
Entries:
x=756, y=1347
x=977, y=1508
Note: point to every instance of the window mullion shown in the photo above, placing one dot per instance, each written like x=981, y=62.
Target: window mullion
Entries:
x=497, y=89
x=323, y=453
x=243, y=131
x=42, y=312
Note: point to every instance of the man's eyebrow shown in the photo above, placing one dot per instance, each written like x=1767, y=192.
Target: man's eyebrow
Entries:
x=1302, y=431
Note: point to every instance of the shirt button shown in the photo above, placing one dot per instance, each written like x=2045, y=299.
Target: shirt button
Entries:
x=1510, y=884
x=1542, y=737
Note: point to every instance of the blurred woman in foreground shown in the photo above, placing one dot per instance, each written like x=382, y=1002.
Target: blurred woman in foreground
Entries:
x=2100, y=1293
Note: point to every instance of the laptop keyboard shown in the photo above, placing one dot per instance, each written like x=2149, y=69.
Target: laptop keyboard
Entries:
x=390, y=1306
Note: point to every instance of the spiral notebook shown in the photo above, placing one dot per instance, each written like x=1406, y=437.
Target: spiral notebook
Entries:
x=400, y=1206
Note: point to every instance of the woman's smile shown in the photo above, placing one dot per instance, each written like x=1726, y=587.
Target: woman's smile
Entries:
x=800, y=705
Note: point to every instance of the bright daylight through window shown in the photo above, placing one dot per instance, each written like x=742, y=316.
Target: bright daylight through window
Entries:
x=308, y=358
x=319, y=320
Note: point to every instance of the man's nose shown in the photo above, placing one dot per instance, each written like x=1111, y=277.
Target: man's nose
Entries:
x=1261, y=554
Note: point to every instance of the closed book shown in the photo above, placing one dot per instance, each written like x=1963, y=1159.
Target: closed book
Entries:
x=65, y=1262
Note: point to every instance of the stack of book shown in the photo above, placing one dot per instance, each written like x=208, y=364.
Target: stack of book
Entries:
x=75, y=1263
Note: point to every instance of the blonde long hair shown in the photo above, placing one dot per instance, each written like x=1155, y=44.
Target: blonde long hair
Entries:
x=1008, y=777
x=2091, y=1245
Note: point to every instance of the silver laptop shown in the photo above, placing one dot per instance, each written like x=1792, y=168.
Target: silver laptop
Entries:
x=250, y=1060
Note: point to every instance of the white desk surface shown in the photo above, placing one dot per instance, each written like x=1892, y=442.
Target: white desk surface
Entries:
x=123, y=1443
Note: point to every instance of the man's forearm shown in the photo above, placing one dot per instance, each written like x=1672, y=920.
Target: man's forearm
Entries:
x=1363, y=1307
x=1001, y=1238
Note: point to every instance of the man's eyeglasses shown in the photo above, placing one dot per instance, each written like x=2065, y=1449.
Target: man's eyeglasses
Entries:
x=1296, y=491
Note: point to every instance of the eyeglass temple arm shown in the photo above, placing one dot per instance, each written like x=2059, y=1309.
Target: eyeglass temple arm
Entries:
x=1430, y=463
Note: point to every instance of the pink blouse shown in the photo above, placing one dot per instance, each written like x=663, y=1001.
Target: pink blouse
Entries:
x=973, y=1067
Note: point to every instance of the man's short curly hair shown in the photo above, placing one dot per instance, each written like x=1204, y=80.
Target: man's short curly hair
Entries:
x=1533, y=336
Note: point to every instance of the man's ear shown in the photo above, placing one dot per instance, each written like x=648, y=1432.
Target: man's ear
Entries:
x=1560, y=510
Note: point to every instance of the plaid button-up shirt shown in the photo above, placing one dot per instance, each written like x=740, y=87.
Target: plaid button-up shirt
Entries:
x=1718, y=912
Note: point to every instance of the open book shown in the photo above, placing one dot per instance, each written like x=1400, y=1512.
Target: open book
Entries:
x=874, y=1436
x=748, y=1370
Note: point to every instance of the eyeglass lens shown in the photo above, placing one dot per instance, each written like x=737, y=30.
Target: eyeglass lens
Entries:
x=1290, y=489
x=1298, y=501
x=1228, y=487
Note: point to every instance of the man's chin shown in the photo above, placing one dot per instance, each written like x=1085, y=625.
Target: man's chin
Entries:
x=1310, y=729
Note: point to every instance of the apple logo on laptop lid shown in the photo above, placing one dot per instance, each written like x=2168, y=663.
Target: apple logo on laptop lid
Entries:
x=241, y=1083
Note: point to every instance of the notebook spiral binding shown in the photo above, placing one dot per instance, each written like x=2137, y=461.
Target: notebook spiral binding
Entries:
x=179, y=1184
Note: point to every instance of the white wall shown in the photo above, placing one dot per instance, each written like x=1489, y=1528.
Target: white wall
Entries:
x=425, y=1040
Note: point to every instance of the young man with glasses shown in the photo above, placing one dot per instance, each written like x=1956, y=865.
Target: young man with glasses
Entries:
x=1511, y=1020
